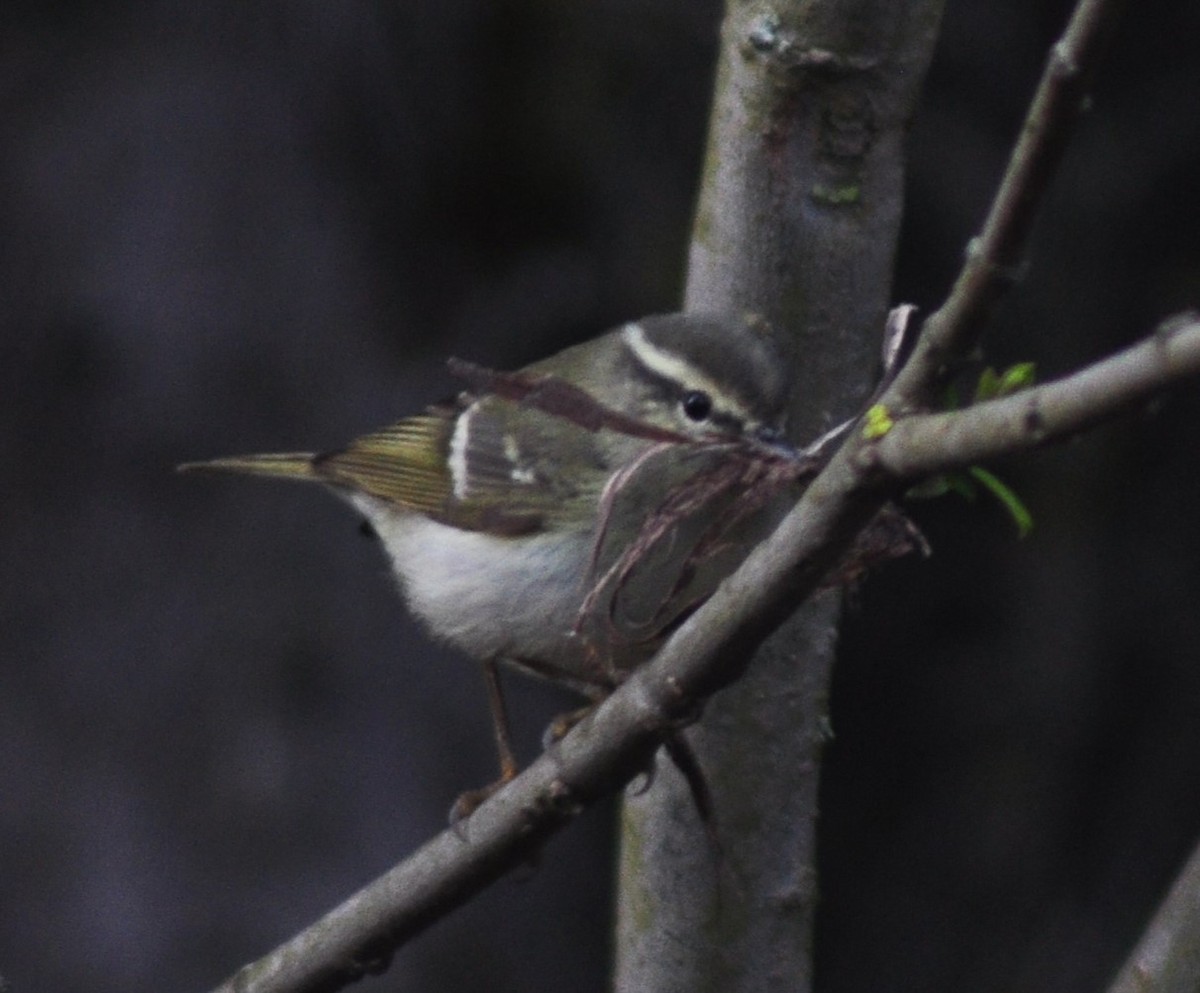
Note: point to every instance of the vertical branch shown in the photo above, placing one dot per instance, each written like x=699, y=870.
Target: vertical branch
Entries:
x=797, y=220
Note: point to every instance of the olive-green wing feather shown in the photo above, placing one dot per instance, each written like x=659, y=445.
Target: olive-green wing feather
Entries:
x=404, y=464
x=282, y=465
x=489, y=465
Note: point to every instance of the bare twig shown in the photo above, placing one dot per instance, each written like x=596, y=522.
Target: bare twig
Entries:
x=995, y=256
x=924, y=444
x=360, y=936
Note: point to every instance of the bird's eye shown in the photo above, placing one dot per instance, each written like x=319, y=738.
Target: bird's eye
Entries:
x=697, y=405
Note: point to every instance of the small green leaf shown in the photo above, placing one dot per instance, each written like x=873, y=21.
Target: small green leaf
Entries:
x=992, y=384
x=877, y=422
x=1017, y=377
x=988, y=387
x=1010, y=501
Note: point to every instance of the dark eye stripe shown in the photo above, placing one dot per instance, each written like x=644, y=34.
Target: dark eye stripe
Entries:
x=670, y=391
x=728, y=423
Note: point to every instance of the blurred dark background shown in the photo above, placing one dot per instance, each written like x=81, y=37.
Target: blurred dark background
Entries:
x=230, y=227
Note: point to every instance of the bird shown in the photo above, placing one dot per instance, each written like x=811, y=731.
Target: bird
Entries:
x=509, y=512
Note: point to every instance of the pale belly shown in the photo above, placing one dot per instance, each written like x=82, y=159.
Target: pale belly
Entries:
x=491, y=597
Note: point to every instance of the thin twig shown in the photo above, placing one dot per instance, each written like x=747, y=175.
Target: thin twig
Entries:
x=924, y=444
x=996, y=255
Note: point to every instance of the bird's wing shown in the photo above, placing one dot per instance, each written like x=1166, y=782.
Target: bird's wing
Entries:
x=486, y=469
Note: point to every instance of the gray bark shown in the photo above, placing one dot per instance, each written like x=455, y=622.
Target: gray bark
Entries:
x=1167, y=957
x=797, y=220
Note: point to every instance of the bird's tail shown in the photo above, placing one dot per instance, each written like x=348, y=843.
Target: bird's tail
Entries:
x=285, y=465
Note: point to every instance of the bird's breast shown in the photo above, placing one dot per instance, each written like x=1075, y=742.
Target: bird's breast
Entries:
x=489, y=596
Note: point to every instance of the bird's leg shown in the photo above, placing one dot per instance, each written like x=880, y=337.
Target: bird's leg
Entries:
x=504, y=749
x=557, y=729
x=467, y=802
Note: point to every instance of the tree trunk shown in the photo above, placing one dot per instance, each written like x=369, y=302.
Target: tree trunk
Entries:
x=797, y=220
